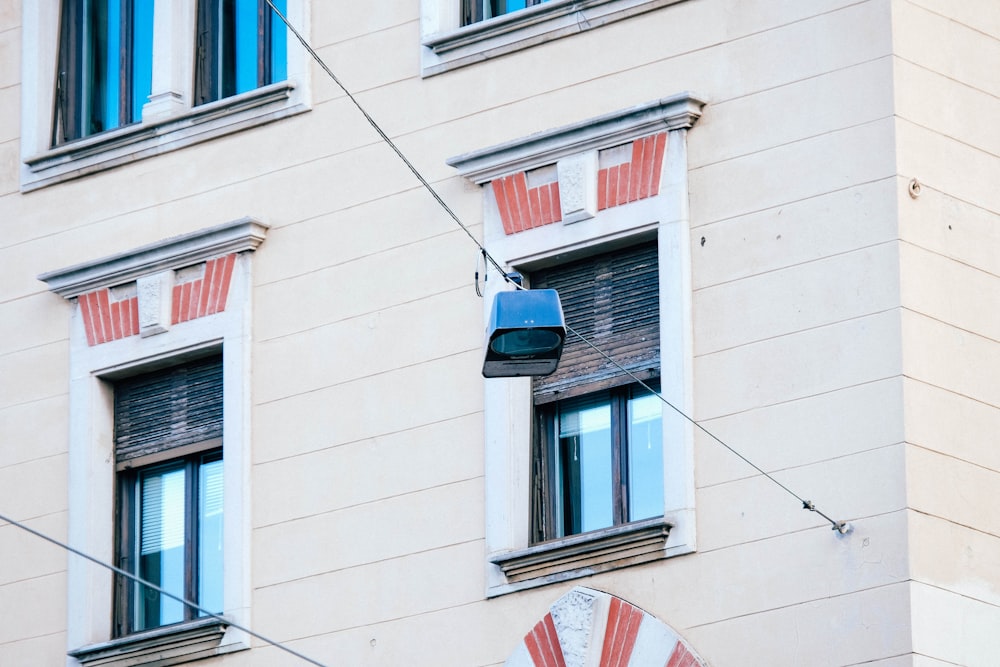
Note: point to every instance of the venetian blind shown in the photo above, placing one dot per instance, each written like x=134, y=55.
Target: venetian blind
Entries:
x=169, y=408
x=612, y=300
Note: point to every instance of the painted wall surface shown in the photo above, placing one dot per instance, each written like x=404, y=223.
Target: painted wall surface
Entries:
x=845, y=335
x=946, y=94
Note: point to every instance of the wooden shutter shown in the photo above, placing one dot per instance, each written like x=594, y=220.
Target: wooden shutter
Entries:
x=613, y=301
x=167, y=409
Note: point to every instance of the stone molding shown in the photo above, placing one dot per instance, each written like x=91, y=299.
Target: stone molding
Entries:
x=680, y=111
x=169, y=645
x=245, y=234
x=446, y=47
x=627, y=544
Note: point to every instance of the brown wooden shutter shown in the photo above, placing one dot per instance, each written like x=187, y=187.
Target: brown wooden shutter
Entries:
x=167, y=409
x=613, y=301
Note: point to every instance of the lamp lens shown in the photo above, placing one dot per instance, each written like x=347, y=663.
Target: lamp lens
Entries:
x=525, y=342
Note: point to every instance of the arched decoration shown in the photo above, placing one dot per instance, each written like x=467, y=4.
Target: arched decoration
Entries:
x=588, y=628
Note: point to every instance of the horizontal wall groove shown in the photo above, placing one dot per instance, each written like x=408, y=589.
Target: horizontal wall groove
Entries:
x=368, y=503
x=709, y=420
x=772, y=207
x=369, y=563
x=801, y=466
x=796, y=332
x=349, y=443
x=786, y=267
x=352, y=380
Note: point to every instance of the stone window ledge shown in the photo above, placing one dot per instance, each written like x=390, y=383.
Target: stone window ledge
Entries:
x=141, y=140
x=170, y=645
x=585, y=554
x=550, y=20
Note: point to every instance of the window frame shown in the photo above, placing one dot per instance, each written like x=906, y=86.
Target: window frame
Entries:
x=513, y=561
x=91, y=468
x=217, y=45
x=446, y=44
x=547, y=461
x=128, y=515
x=170, y=120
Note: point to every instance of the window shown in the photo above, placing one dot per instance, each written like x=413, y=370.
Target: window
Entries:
x=105, y=66
x=456, y=33
x=110, y=82
x=168, y=429
x=599, y=443
x=129, y=451
x=480, y=10
x=621, y=265
x=240, y=46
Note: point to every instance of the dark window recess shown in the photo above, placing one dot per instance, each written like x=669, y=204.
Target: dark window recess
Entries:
x=597, y=454
x=474, y=11
x=168, y=409
x=613, y=301
x=104, y=67
x=168, y=429
x=240, y=45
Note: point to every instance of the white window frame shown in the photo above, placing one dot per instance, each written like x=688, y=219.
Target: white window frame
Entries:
x=92, y=477
x=508, y=402
x=169, y=119
x=446, y=44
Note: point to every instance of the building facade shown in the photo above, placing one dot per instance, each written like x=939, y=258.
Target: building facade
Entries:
x=226, y=365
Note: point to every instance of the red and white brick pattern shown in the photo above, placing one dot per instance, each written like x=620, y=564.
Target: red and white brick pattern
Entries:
x=624, y=635
x=523, y=208
x=106, y=319
x=206, y=295
x=543, y=644
x=636, y=179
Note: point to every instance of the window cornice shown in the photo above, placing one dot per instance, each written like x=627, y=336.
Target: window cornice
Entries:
x=587, y=553
x=245, y=234
x=448, y=46
x=680, y=111
x=169, y=645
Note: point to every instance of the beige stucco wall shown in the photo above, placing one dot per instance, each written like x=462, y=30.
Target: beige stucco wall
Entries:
x=843, y=335
x=946, y=100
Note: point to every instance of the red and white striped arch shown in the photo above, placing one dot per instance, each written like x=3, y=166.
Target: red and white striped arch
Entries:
x=588, y=628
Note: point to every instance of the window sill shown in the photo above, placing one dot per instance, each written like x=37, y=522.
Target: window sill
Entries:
x=170, y=645
x=586, y=554
x=141, y=140
x=525, y=28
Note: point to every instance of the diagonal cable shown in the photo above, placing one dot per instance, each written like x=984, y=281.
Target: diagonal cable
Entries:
x=161, y=591
x=840, y=526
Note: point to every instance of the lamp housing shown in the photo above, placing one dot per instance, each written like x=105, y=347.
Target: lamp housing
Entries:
x=525, y=335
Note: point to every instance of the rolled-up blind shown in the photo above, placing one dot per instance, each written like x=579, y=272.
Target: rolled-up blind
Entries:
x=612, y=300
x=168, y=408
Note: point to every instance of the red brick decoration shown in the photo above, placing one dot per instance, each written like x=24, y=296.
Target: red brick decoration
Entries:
x=543, y=644
x=106, y=319
x=206, y=295
x=576, y=628
x=620, y=634
x=523, y=208
x=636, y=179
x=682, y=657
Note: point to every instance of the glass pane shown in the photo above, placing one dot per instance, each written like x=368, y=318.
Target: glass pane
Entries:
x=142, y=56
x=110, y=51
x=585, y=460
x=246, y=45
x=279, y=43
x=161, y=547
x=645, y=457
x=210, y=536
